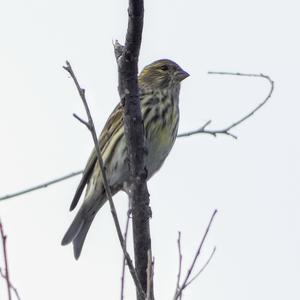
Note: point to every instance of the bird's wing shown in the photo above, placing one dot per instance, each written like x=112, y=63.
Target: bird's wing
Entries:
x=113, y=124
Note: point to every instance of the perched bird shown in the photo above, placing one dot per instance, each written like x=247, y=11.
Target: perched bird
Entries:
x=159, y=85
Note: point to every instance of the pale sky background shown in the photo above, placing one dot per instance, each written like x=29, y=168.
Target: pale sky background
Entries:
x=252, y=181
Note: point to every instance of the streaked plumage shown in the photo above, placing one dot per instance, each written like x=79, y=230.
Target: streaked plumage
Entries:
x=159, y=85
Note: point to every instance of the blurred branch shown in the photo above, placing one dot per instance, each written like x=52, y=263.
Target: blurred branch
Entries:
x=40, y=186
x=91, y=127
x=6, y=274
x=186, y=281
x=227, y=129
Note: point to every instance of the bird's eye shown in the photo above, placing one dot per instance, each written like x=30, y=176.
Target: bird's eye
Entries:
x=164, y=68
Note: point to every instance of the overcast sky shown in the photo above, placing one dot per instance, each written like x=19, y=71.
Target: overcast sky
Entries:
x=253, y=181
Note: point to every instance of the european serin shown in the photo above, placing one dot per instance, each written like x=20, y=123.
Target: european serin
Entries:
x=159, y=85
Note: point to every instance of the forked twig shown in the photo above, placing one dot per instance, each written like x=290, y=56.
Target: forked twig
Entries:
x=91, y=127
x=186, y=282
x=11, y=286
x=227, y=129
x=203, y=267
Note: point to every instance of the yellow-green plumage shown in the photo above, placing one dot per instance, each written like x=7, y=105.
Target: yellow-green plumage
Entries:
x=159, y=85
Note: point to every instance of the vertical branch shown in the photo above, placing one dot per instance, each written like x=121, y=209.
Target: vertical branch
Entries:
x=125, y=245
x=180, y=261
x=127, y=59
x=6, y=274
x=150, y=274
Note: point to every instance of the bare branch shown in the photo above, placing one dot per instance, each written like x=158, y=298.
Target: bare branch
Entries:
x=40, y=186
x=10, y=285
x=125, y=243
x=127, y=61
x=82, y=121
x=180, y=261
x=92, y=130
x=6, y=275
x=227, y=129
x=186, y=280
x=203, y=267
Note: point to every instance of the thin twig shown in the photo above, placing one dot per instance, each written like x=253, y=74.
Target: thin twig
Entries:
x=227, y=129
x=203, y=267
x=184, y=284
x=82, y=121
x=125, y=242
x=11, y=286
x=40, y=186
x=92, y=130
x=6, y=274
x=180, y=261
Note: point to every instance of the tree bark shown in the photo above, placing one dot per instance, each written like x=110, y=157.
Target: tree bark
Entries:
x=127, y=58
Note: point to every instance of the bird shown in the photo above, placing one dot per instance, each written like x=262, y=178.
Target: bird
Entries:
x=159, y=87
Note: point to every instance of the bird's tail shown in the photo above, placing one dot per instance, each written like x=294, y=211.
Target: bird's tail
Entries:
x=80, y=226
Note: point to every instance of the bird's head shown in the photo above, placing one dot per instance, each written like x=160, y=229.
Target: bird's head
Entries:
x=163, y=73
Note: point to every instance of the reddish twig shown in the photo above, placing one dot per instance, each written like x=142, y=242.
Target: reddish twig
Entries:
x=6, y=274
x=11, y=286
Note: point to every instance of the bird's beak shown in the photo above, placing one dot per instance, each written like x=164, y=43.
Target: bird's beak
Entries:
x=181, y=75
